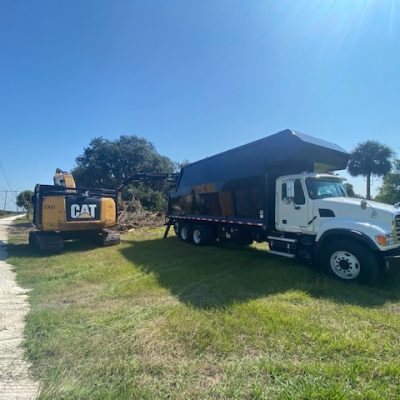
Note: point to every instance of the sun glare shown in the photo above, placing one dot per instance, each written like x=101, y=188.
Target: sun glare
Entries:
x=349, y=19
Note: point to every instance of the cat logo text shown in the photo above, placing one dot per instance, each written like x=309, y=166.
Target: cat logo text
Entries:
x=84, y=211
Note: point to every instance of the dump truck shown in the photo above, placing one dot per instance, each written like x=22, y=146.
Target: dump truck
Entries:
x=283, y=190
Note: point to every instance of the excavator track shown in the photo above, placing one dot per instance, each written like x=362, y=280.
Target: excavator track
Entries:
x=46, y=242
x=110, y=237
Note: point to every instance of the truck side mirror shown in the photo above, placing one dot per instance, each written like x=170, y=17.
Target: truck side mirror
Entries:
x=363, y=204
x=290, y=189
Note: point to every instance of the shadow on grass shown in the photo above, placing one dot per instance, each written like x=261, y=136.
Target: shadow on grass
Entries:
x=17, y=226
x=216, y=276
x=24, y=250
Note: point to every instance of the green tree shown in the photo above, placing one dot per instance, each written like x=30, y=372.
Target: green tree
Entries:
x=370, y=158
x=107, y=163
x=24, y=200
x=389, y=192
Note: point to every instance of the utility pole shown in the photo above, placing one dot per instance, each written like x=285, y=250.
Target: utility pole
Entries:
x=5, y=201
x=16, y=205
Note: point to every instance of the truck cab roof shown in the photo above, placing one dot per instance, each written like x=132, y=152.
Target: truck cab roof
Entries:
x=317, y=175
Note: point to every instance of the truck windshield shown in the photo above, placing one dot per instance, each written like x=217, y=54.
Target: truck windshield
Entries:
x=319, y=188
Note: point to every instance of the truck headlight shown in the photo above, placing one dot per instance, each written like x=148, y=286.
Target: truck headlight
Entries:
x=383, y=240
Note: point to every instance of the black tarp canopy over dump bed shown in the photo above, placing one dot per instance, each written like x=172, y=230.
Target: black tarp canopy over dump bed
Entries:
x=285, y=152
x=240, y=183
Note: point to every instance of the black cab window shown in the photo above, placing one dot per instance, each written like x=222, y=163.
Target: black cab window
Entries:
x=299, y=197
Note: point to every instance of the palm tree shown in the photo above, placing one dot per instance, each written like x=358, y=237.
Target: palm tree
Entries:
x=370, y=158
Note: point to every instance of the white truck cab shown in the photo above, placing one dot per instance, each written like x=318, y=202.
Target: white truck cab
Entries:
x=317, y=206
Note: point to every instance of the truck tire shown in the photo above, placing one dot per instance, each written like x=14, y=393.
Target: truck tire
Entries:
x=176, y=228
x=350, y=261
x=185, y=232
x=201, y=235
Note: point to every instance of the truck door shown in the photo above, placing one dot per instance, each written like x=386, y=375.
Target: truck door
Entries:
x=292, y=211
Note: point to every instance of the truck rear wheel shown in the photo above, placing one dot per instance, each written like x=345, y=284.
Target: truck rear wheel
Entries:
x=350, y=261
x=185, y=232
x=201, y=235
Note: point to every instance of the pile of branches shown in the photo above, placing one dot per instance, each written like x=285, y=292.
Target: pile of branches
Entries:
x=133, y=216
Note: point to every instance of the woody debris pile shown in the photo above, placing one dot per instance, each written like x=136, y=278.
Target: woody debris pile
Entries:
x=133, y=216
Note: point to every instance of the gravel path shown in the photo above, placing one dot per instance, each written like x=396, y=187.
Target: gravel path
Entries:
x=15, y=380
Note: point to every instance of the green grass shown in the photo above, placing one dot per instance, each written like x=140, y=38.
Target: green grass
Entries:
x=160, y=319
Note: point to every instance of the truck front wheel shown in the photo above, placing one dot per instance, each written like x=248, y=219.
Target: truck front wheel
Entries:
x=350, y=261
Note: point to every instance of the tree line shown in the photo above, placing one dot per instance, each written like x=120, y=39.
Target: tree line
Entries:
x=108, y=163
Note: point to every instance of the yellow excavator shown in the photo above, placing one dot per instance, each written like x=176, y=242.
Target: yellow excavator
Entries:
x=62, y=211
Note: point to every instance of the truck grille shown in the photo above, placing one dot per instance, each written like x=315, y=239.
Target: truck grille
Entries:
x=396, y=227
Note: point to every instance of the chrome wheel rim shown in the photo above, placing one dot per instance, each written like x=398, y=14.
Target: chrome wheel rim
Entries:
x=184, y=233
x=345, y=265
x=196, y=236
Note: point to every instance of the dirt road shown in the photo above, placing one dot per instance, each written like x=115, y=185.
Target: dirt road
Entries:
x=15, y=380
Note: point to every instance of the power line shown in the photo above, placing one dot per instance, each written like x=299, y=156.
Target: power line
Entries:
x=5, y=177
x=8, y=199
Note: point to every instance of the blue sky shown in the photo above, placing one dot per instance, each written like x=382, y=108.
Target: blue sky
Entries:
x=193, y=77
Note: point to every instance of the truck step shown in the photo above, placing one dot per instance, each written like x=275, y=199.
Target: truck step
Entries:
x=280, y=253
x=282, y=246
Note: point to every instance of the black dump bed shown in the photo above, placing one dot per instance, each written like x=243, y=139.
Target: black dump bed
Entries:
x=233, y=183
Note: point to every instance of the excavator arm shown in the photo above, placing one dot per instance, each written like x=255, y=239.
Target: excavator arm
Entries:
x=63, y=178
x=149, y=177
